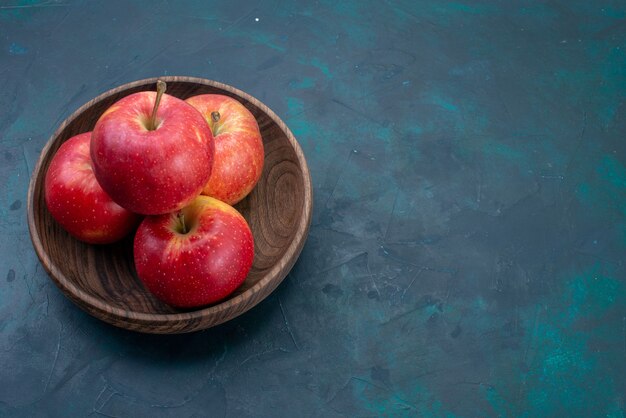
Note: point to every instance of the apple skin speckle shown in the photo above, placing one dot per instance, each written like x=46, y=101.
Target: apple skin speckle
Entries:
x=239, y=154
x=76, y=200
x=198, y=267
x=152, y=171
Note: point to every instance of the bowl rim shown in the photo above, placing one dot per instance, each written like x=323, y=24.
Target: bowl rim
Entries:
x=89, y=302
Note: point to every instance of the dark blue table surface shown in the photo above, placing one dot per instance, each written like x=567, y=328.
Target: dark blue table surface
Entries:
x=466, y=256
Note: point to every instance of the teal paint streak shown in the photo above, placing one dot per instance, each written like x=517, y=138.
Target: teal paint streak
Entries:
x=614, y=72
x=318, y=64
x=16, y=49
x=258, y=38
x=539, y=11
x=302, y=84
x=612, y=191
x=447, y=105
x=613, y=13
x=593, y=293
x=612, y=171
x=401, y=16
x=558, y=382
x=466, y=8
x=604, y=191
x=583, y=192
x=581, y=85
x=313, y=137
x=266, y=40
x=301, y=128
x=384, y=134
x=324, y=68
x=310, y=137
x=458, y=114
x=446, y=11
x=415, y=129
x=562, y=373
x=503, y=150
x=19, y=128
x=18, y=10
x=294, y=105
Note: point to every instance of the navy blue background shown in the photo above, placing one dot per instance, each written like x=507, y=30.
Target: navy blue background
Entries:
x=467, y=247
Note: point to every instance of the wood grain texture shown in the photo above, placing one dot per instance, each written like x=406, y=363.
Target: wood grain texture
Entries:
x=102, y=279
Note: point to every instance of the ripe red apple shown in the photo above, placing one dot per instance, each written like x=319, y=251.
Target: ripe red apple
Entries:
x=152, y=153
x=196, y=256
x=238, y=147
x=76, y=200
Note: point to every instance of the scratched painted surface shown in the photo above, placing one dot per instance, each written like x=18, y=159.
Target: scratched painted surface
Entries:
x=466, y=256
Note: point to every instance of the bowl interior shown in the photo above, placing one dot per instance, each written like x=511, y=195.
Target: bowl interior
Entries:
x=274, y=210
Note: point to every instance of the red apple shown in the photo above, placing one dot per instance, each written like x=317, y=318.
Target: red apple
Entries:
x=76, y=200
x=152, y=153
x=196, y=256
x=238, y=147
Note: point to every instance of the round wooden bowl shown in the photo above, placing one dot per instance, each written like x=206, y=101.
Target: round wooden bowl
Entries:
x=102, y=279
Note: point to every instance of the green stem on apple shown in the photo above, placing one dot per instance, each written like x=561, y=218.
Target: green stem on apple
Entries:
x=181, y=221
x=161, y=87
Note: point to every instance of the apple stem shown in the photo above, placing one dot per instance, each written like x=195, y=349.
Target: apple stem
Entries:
x=181, y=220
x=161, y=87
x=215, y=116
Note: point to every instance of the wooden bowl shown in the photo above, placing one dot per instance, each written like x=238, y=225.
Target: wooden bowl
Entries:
x=102, y=279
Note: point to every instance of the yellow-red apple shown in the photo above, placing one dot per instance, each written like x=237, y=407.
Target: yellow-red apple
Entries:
x=196, y=256
x=238, y=147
